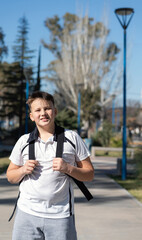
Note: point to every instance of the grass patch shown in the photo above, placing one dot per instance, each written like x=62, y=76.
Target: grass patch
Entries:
x=4, y=162
x=110, y=154
x=133, y=183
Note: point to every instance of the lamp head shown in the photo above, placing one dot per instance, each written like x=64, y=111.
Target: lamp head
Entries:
x=124, y=11
x=124, y=15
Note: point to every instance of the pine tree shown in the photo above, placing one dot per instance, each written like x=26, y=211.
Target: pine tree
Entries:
x=23, y=55
x=38, y=82
x=10, y=85
x=21, y=51
x=3, y=47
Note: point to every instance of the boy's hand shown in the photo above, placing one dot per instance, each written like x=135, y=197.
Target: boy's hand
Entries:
x=60, y=165
x=29, y=166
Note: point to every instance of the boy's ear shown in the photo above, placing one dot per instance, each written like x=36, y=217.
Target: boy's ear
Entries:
x=31, y=116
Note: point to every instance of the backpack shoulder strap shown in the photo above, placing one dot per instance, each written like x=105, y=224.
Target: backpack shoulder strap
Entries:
x=32, y=150
x=60, y=142
x=15, y=206
x=59, y=153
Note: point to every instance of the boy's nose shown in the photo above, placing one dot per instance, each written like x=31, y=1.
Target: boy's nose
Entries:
x=42, y=111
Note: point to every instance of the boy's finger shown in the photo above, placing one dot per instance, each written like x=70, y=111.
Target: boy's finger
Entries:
x=33, y=161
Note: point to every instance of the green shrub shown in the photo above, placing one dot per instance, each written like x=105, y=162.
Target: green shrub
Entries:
x=67, y=119
x=96, y=141
x=102, y=138
x=138, y=159
x=116, y=141
x=4, y=162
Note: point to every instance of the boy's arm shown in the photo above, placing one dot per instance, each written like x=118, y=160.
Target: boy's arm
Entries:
x=15, y=173
x=83, y=172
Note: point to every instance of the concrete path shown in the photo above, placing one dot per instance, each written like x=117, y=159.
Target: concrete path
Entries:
x=8, y=194
x=113, y=214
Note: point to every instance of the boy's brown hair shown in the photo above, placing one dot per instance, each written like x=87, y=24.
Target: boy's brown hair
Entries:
x=39, y=94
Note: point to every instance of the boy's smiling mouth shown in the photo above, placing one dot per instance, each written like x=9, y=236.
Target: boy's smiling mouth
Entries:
x=44, y=119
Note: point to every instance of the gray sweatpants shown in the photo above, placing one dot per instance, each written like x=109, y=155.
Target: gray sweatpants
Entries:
x=29, y=227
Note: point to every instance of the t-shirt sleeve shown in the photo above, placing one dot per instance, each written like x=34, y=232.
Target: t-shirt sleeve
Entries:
x=82, y=151
x=16, y=154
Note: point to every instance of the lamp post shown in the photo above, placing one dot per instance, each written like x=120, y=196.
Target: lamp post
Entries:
x=27, y=95
x=113, y=110
x=78, y=114
x=78, y=87
x=124, y=16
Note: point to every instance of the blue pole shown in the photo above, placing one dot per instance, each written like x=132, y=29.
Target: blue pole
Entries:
x=124, y=114
x=78, y=117
x=118, y=119
x=113, y=111
x=27, y=95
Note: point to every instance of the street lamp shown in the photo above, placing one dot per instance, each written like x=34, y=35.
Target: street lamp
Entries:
x=124, y=16
x=27, y=95
x=78, y=114
x=78, y=87
x=113, y=110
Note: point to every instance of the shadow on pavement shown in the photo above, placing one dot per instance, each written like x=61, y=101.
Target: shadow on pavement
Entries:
x=4, y=183
x=9, y=201
x=101, y=200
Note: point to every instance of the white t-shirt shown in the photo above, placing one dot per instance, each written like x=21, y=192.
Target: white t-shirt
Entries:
x=47, y=193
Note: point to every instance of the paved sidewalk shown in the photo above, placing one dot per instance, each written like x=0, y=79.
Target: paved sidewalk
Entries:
x=8, y=194
x=113, y=214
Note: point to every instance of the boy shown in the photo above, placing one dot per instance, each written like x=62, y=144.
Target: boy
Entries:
x=45, y=206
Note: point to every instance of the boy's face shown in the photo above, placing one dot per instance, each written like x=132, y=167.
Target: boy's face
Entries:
x=43, y=112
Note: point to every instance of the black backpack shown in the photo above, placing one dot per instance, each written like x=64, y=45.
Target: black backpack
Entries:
x=60, y=138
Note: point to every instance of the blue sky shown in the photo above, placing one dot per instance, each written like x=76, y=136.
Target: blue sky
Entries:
x=37, y=11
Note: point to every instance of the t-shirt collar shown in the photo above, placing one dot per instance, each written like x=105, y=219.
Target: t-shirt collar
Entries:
x=35, y=134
